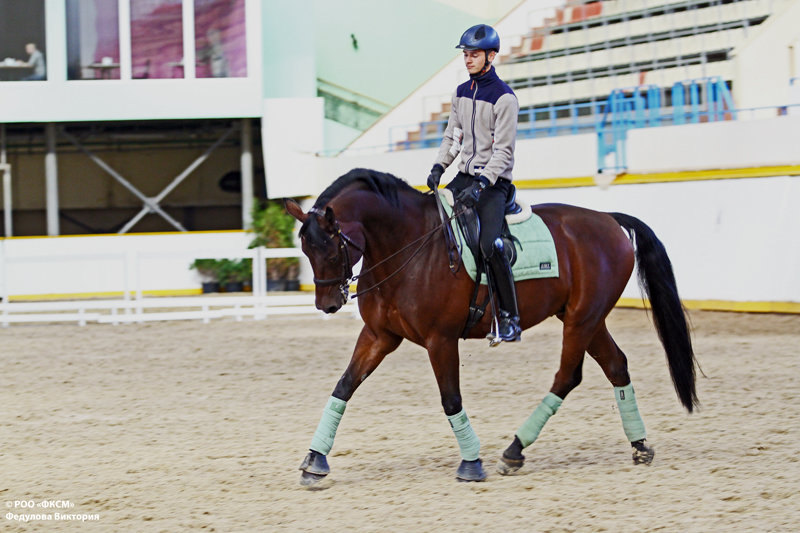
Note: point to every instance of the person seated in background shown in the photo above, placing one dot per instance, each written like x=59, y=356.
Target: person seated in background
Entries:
x=214, y=55
x=35, y=60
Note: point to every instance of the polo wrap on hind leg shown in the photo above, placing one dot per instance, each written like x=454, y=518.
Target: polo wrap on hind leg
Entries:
x=529, y=431
x=467, y=439
x=629, y=412
x=326, y=430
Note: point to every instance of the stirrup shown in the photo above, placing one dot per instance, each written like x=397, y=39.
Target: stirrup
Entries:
x=506, y=329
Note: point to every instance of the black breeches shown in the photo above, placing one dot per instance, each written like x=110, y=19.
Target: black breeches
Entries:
x=490, y=208
x=491, y=212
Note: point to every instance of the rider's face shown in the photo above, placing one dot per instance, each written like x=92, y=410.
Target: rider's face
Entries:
x=475, y=60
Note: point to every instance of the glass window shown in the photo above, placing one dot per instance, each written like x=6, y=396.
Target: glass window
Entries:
x=220, y=44
x=22, y=42
x=92, y=40
x=156, y=39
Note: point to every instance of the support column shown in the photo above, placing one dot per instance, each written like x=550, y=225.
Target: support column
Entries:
x=6, y=169
x=51, y=180
x=246, y=164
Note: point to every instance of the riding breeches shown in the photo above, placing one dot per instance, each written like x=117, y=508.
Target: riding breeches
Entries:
x=491, y=213
x=490, y=208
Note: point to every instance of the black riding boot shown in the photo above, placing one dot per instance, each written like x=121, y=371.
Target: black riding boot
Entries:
x=508, y=322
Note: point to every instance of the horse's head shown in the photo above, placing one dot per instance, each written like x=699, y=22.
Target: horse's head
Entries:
x=332, y=247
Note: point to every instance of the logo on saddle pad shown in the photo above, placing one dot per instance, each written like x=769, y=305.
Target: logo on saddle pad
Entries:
x=544, y=266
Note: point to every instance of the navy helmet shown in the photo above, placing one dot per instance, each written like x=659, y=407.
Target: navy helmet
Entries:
x=480, y=37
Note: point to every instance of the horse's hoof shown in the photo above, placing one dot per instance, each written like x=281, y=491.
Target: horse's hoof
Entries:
x=307, y=479
x=315, y=468
x=315, y=463
x=642, y=453
x=471, y=471
x=508, y=466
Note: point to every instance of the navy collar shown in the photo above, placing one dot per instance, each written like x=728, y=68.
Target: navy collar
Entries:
x=486, y=78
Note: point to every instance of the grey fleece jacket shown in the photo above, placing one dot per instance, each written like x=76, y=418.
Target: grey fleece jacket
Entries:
x=482, y=127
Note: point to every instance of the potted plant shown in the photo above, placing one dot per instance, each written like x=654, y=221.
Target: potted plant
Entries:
x=232, y=273
x=274, y=228
x=209, y=270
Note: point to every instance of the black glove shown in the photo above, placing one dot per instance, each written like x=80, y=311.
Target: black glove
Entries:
x=435, y=176
x=469, y=195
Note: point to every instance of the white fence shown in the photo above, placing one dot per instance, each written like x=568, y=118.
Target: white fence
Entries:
x=134, y=266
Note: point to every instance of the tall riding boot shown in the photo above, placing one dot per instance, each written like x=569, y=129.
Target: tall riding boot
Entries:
x=508, y=326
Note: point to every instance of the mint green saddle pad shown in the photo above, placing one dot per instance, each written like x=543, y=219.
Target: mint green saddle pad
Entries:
x=536, y=251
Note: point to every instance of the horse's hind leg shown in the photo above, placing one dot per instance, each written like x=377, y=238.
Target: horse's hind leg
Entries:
x=615, y=366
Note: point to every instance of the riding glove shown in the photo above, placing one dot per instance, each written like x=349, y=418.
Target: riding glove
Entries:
x=435, y=176
x=469, y=196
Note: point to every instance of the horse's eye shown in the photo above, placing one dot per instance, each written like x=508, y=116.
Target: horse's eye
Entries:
x=332, y=260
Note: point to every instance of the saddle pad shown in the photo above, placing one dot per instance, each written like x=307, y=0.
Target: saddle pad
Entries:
x=536, y=251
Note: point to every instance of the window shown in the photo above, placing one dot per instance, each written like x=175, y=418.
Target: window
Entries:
x=156, y=39
x=22, y=41
x=92, y=40
x=219, y=30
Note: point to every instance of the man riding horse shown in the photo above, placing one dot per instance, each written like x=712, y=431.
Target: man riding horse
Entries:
x=483, y=128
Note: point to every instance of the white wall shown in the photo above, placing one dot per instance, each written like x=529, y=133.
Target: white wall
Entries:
x=551, y=157
x=111, y=263
x=291, y=136
x=732, y=240
x=764, y=62
x=731, y=144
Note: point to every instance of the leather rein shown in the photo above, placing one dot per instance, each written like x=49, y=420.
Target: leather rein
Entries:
x=347, y=277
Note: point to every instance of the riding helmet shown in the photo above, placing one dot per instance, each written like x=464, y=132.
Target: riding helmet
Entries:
x=480, y=37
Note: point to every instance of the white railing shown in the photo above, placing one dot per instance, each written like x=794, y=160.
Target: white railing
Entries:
x=133, y=306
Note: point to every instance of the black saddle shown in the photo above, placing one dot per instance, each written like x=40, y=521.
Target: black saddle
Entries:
x=470, y=227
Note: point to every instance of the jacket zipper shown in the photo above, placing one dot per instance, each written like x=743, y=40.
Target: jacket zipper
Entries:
x=472, y=127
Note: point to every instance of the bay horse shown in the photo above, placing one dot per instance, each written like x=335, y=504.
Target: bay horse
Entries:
x=406, y=290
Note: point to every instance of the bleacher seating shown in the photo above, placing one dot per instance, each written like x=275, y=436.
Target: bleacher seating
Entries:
x=588, y=49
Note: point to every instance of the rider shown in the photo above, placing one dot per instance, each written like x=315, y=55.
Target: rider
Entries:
x=483, y=127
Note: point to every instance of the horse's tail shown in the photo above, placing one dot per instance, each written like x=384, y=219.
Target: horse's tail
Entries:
x=657, y=282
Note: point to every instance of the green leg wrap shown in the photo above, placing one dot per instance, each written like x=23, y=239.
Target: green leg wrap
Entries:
x=467, y=439
x=529, y=431
x=629, y=412
x=326, y=430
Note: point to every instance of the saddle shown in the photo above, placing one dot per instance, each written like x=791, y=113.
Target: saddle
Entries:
x=469, y=225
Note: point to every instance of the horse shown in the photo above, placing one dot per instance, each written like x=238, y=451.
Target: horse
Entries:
x=407, y=290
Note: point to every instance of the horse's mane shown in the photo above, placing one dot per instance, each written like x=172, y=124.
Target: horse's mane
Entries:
x=381, y=183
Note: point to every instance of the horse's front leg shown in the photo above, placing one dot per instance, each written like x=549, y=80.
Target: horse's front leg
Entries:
x=444, y=360
x=370, y=350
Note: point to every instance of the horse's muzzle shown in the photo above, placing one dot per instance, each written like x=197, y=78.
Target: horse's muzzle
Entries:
x=330, y=302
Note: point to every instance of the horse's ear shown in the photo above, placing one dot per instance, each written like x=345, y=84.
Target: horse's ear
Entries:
x=329, y=216
x=294, y=209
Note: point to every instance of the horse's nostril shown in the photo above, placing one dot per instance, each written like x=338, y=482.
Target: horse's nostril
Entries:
x=331, y=309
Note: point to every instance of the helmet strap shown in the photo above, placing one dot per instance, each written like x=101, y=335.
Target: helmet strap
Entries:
x=486, y=65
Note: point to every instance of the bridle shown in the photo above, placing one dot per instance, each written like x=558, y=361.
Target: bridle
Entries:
x=347, y=277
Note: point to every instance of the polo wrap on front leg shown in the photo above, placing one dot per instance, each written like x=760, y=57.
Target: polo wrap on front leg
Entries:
x=529, y=431
x=467, y=439
x=326, y=430
x=629, y=412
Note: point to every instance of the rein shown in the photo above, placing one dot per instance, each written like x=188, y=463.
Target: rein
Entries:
x=348, y=278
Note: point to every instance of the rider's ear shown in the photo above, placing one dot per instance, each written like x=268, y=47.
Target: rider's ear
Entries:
x=294, y=209
x=329, y=216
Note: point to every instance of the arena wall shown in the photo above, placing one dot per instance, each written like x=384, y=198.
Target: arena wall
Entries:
x=729, y=222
